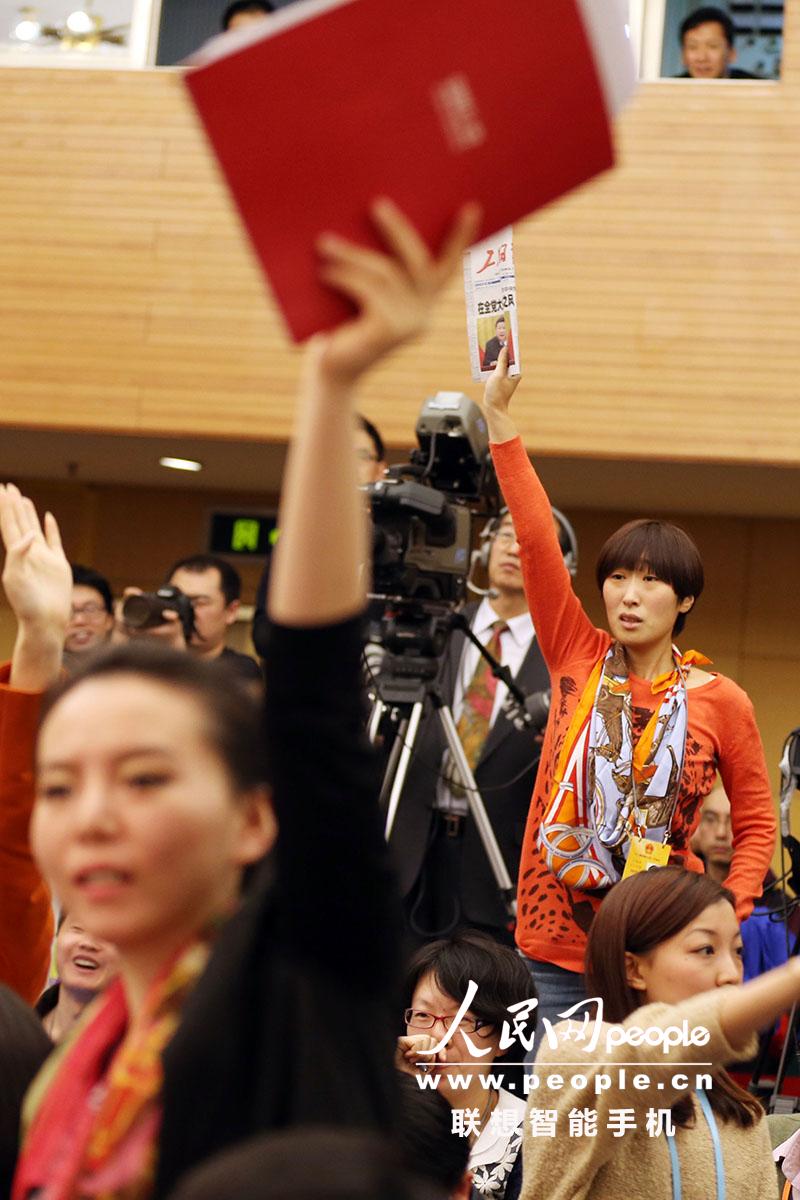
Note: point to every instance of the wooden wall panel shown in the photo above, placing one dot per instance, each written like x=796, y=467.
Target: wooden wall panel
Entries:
x=660, y=306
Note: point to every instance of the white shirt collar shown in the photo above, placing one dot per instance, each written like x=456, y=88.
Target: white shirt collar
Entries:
x=520, y=628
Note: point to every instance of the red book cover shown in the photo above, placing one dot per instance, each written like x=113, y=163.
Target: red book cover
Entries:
x=424, y=101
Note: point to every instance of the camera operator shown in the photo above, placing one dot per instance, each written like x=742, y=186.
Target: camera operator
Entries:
x=444, y=874
x=200, y=603
x=370, y=466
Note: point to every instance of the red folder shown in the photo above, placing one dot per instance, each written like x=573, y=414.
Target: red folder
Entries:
x=428, y=102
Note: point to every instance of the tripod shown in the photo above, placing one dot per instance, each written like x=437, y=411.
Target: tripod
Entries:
x=406, y=684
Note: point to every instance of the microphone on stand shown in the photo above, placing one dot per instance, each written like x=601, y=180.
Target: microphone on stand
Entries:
x=532, y=713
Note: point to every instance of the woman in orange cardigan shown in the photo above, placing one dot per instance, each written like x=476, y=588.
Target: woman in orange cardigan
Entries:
x=637, y=732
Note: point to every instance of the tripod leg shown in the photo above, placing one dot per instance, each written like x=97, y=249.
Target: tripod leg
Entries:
x=402, y=766
x=378, y=709
x=398, y=741
x=478, y=812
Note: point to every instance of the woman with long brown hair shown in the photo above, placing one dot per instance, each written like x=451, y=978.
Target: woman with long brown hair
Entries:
x=664, y=961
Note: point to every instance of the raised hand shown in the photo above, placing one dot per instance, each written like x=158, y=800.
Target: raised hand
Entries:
x=413, y=1053
x=394, y=292
x=38, y=583
x=36, y=577
x=497, y=393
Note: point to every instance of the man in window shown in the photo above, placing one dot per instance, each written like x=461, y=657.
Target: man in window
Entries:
x=707, y=46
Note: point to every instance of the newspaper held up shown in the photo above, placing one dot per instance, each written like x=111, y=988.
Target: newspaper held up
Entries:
x=490, y=294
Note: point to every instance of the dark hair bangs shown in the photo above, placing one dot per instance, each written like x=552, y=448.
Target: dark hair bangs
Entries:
x=664, y=549
x=501, y=976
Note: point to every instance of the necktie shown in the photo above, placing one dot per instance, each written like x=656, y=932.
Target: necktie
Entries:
x=476, y=709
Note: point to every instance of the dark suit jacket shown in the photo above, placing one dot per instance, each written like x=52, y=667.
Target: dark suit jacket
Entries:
x=492, y=350
x=506, y=754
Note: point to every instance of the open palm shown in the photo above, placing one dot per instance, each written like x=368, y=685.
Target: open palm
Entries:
x=394, y=292
x=36, y=577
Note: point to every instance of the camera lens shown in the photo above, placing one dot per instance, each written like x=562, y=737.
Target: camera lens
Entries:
x=142, y=612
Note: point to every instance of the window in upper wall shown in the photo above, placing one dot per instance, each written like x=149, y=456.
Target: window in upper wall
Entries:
x=84, y=33
x=706, y=52
x=186, y=24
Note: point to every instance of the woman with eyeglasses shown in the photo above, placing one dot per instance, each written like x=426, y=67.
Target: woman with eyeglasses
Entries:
x=470, y=966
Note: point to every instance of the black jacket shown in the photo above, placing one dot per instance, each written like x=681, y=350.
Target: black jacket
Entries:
x=505, y=775
x=294, y=1019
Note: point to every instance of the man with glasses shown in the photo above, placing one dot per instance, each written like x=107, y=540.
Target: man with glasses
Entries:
x=92, y=619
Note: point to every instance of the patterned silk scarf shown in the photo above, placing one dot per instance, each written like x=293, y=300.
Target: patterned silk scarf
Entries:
x=96, y=1130
x=609, y=787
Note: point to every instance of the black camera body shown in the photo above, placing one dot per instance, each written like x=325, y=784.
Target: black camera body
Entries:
x=423, y=514
x=421, y=542
x=146, y=610
x=423, y=510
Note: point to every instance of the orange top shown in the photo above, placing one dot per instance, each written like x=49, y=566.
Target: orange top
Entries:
x=26, y=914
x=722, y=736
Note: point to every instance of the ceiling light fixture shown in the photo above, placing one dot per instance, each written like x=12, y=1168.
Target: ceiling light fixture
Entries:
x=180, y=464
x=83, y=29
x=80, y=22
x=27, y=29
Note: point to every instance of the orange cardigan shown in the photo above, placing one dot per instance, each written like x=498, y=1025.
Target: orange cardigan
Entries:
x=26, y=912
x=722, y=737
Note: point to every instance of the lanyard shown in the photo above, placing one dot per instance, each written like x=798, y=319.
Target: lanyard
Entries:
x=677, y=1190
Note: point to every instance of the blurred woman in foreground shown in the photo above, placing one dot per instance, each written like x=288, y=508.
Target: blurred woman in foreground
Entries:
x=153, y=802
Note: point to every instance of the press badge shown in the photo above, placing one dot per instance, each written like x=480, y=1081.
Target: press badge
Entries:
x=645, y=854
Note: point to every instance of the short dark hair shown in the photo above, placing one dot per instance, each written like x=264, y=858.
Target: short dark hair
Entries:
x=88, y=577
x=245, y=6
x=230, y=581
x=499, y=319
x=666, y=549
x=702, y=16
x=24, y=1046
x=425, y=1135
x=233, y=714
x=372, y=433
x=501, y=976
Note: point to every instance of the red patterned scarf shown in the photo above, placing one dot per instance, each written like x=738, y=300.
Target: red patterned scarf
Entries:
x=96, y=1129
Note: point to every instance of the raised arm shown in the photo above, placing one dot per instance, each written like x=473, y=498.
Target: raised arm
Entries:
x=38, y=583
x=563, y=630
x=318, y=574
x=333, y=869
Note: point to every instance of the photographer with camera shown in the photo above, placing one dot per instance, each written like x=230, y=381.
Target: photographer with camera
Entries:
x=192, y=611
x=445, y=875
